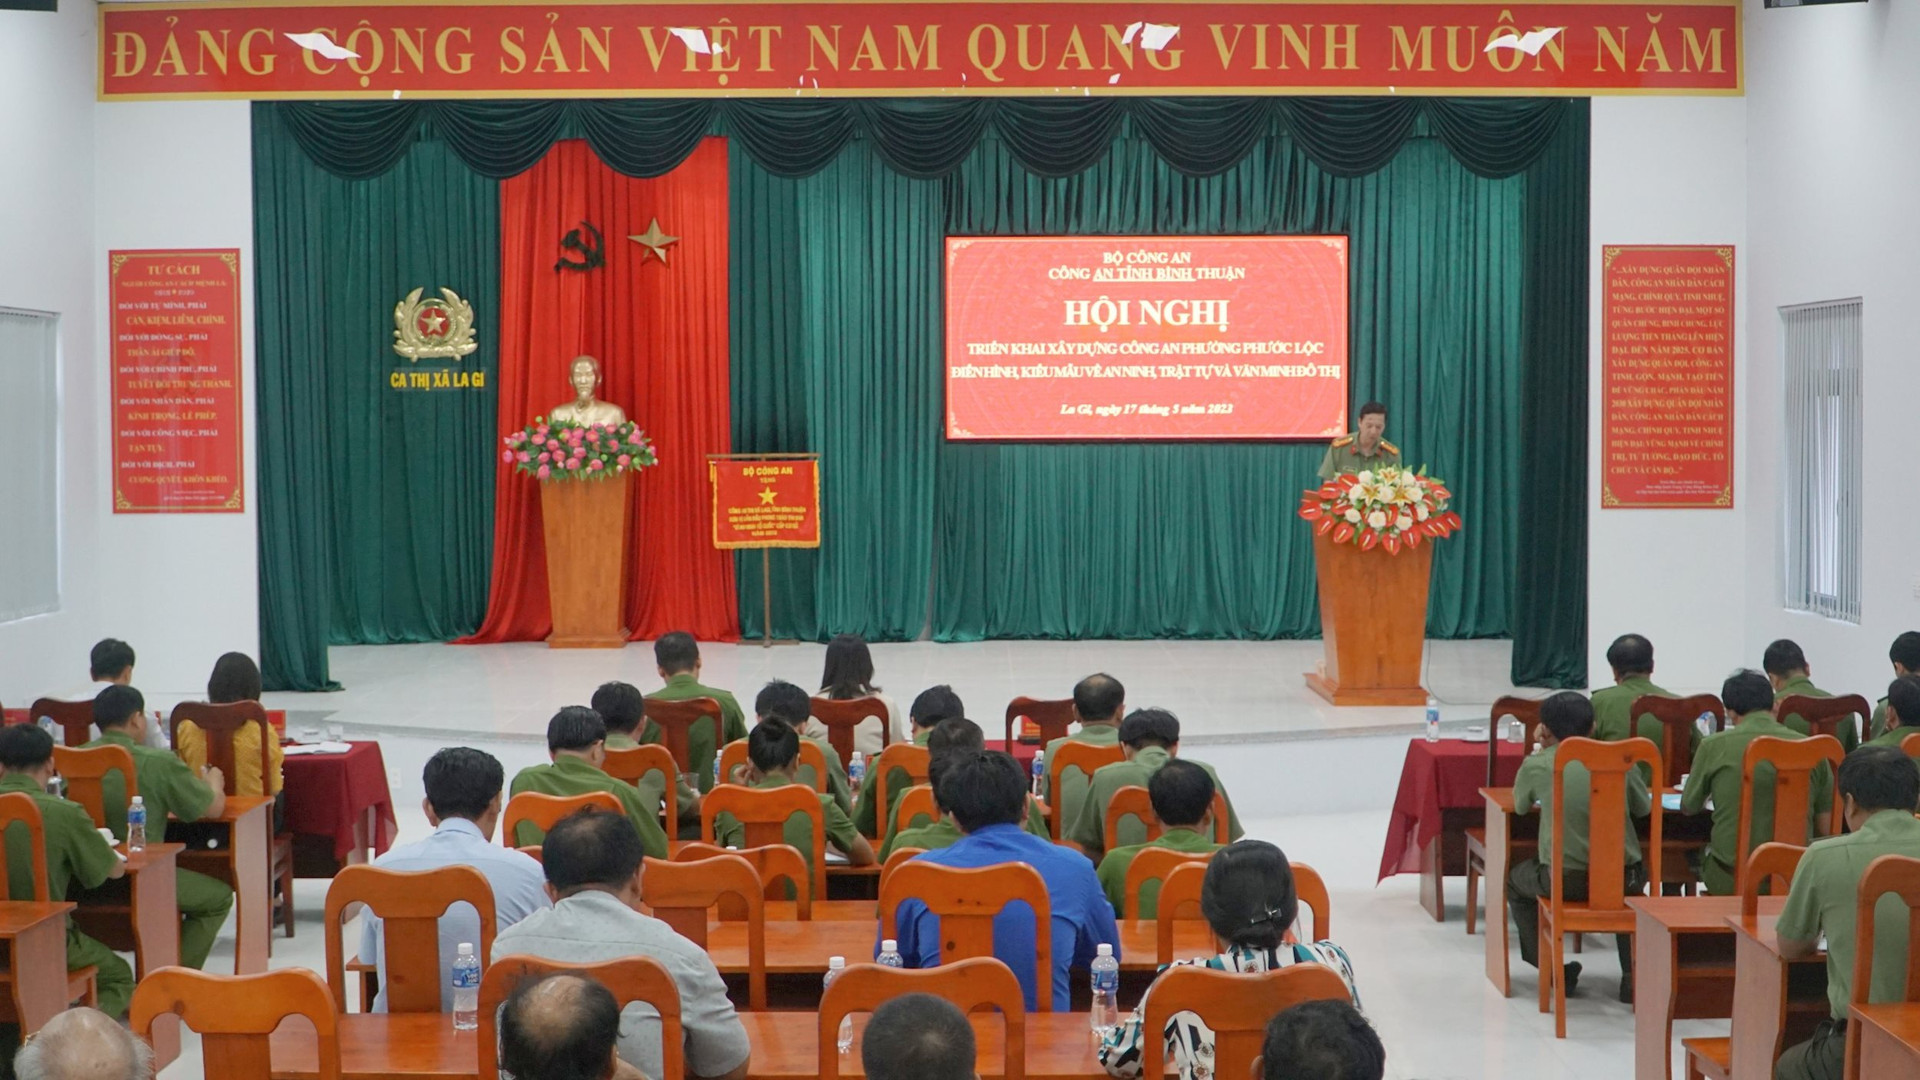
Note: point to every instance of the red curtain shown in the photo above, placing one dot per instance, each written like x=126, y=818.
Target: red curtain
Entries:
x=660, y=333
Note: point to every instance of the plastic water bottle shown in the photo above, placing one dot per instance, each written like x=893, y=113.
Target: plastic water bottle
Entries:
x=716, y=770
x=1433, y=720
x=1040, y=775
x=890, y=954
x=856, y=769
x=466, y=989
x=1106, y=993
x=137, y=824
x=53, y=730
x=836, y=965
x=1705, y=723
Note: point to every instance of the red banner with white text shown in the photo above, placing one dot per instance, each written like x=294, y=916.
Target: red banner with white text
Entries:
x=860, y=47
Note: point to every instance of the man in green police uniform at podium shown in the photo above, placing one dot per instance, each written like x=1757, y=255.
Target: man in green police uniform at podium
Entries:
x=1364, y=449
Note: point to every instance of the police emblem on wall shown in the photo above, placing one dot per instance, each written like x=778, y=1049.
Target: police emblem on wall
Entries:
x=431, y=329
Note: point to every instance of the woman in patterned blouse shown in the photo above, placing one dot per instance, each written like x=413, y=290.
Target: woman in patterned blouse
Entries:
x=1249, y=900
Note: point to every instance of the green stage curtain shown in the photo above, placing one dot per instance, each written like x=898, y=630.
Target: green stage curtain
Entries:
x=376, y=505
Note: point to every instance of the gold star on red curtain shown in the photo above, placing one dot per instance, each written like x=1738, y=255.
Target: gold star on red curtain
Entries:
x=654, y=241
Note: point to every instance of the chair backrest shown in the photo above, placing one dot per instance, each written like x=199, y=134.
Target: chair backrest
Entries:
x=812, y=758
x=629, y=979
x=1792, y=762
x=841, y=716
x=1133, y=801
x=543, y=811
x=681, y=893
x=235, y=1016
x=1086, y=757
x=1237, y=1006
x=18, y=807
x=1152, y=866
x=676, y=718
x=1311, y=890
x=970, y=985
x=74, y=717
x=1525, y=710
x=763, y=813
x=778, y=865
x=917, y=801
x=911, y=759
x=1179, y=899
x=1677, y=717
x=966, y=902
x=1608, y=765
x=1768, y=863
x=1900, y=876
x=1825, y=715
x=1053, y=717
x=895, y=859
x=632, y=765
x=219, y=723
x=83, y=770
x=1910, y=745
x=410, y=904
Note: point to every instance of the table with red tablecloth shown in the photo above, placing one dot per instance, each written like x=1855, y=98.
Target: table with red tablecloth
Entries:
x=1439, y=799
x=339, y=805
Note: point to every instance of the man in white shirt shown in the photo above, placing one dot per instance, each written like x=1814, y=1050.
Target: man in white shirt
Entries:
x=463, y=805
x=110, y=663
x=593, y=867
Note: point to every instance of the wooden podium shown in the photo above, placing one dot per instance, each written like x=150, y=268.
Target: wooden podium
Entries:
x=586, y=533
x=1373, y=622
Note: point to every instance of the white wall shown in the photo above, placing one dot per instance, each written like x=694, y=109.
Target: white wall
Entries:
x=1671, y=171
x=1832, y=159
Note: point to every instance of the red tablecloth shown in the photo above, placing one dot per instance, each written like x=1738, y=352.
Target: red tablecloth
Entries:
x=1437, y=777
x=331, y=794
x=1022, y=752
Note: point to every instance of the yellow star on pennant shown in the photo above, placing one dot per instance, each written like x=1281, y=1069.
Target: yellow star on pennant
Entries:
x=767, y=496
x=654, y=241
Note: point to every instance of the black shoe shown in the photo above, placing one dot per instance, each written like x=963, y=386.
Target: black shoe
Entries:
x=1570, y=976
x=1626, y=989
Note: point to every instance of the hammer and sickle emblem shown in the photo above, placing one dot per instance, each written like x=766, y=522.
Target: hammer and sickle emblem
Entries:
x=588, y=245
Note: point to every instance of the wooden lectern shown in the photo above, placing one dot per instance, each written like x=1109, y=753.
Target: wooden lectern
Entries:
x=1373, y=622
x=586, y=534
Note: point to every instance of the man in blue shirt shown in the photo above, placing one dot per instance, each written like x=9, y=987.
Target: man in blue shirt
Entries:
x=463, y=805
x=987, y=799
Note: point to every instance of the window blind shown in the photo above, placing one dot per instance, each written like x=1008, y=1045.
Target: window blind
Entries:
x=1822, y=471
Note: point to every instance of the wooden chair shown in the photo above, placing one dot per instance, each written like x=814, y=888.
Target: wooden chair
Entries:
x=1179, y=899
x=778, y=866
x=1711, y=1058
x=734, y=755
x=680, y=894
x=629, y=979
x=917, y=802
x=966, y=902
x=1152, y=867
x=1677, y=717
x=763, y=813
x=1237, y=1006
x=219, y=723
x=1910, y=745
x=1900, y=876
x=18, y=808
x=544, y=811
x=74, y=717
x=842, y=716
x=237, y=1014
x=1793, y=762
x=1527, y=712
x=676, y=719
x=410, y=904
x=1826, y=715
x=83, y=771
x=906, y=757
x=1132, y=801
x=634, y=763
x=1605, y=909
x=899, y=858
x=1085, y=757
x=970, y=985
x=1311, y=890
x=1053, y=717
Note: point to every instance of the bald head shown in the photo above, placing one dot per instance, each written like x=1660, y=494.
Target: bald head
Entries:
x=84, y=1044
x=561, y=1027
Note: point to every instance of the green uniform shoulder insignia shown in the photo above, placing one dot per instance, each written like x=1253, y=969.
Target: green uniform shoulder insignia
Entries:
x=1389, y=447
x=1344, y=440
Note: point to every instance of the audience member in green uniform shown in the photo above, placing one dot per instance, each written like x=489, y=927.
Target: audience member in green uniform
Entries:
x=624, y=709
x=1150, y=738
x=1631, y=658
x=677, y=657
x=956, y=733
x=1905, y=654
x=936, y=703
x=1568, y=715
x=1902, y=701
x=1182, y=794
x=577, y=743
x=168, y=787
x=1879, y=792
x=1788, y=671
x=1717, y=775
x=1099, y=701
x=773, y=755
x=783, y=701
x=77, y=856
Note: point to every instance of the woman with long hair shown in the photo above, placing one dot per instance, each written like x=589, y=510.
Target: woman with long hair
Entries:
x=848, y=674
